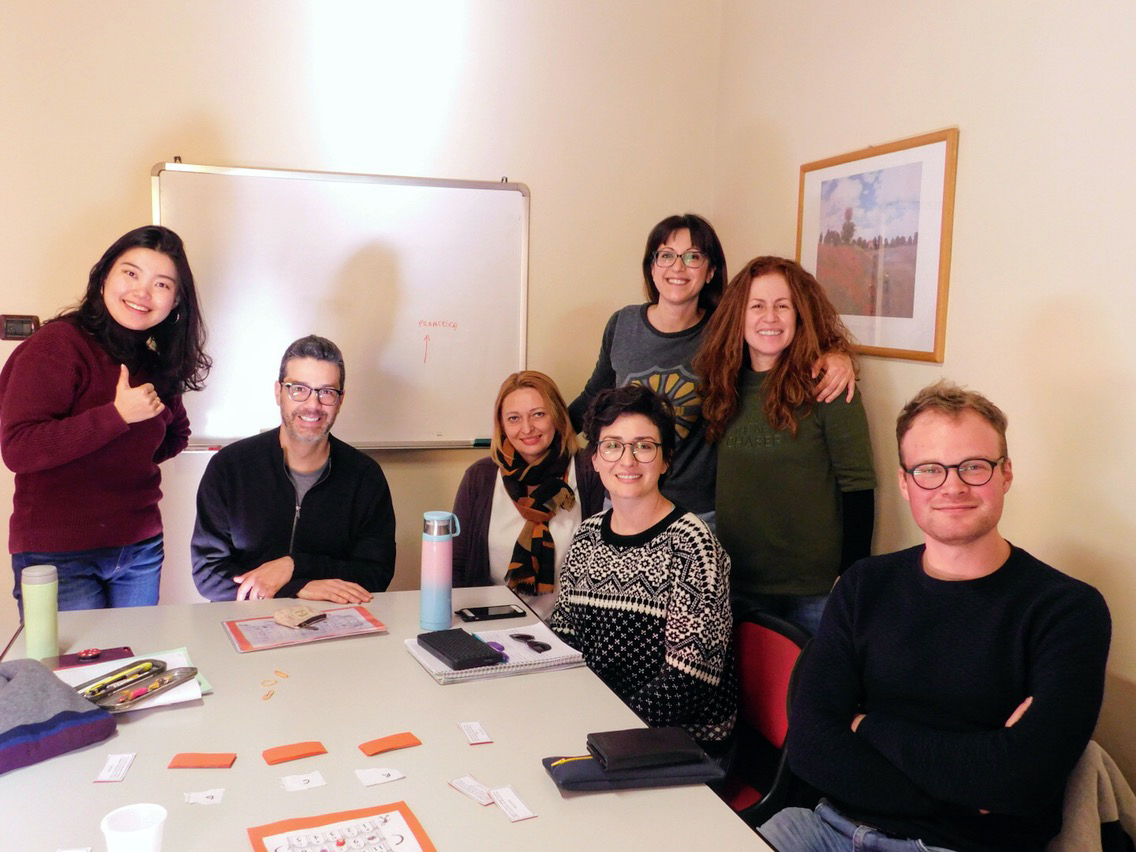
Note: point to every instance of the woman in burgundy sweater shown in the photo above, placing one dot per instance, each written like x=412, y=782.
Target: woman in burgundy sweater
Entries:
x=89, y=405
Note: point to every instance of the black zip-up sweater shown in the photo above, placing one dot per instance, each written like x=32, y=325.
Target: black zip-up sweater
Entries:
x=246, y=510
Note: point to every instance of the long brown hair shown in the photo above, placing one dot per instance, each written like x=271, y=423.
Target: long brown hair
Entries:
x=789, y=385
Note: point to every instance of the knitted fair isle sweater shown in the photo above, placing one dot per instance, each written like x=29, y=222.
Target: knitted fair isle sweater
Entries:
x=651, y=615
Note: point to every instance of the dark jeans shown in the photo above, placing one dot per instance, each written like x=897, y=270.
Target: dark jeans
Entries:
x=101, y=577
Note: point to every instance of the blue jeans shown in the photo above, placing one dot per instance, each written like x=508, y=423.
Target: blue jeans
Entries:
x=828, y=830
x=803, y=610
x=101, y=577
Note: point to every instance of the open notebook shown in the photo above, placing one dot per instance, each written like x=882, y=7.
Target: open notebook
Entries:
x=522, y=658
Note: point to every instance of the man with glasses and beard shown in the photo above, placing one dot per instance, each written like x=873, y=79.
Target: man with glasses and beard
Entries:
x=952, y=686
x=294, y=512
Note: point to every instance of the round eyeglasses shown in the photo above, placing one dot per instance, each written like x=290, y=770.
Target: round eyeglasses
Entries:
x=298, y=392
x=612, y=450
x=691, y=259
x=975, y=472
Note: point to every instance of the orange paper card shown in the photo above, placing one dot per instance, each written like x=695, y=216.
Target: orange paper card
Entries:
x=394, y=741
x=398, y=811
x=202, y=760
x=294, y=751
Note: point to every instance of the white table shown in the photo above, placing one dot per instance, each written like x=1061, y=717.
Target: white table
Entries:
x=342, y=693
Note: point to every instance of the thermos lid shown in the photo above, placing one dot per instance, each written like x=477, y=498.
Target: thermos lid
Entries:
x=35, y=575
x=439, y=523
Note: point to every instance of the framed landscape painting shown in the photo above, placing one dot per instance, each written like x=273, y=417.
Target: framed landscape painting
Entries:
x=874, y=227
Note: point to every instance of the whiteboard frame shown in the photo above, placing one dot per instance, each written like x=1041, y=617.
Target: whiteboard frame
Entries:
x=397, y=180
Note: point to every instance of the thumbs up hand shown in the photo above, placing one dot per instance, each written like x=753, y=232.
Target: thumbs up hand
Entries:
x=136, y=404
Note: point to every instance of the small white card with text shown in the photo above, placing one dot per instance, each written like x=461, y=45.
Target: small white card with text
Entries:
x=473, y=788
x=508, y=801
x=117, y=765
x=292, y=783
x=475, y=733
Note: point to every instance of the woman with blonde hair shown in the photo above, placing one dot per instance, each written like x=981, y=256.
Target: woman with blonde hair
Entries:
x=519, y=507
x=795, y=491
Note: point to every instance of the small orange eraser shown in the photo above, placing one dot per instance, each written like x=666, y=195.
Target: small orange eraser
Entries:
x=202, y=760
x=394, y=741
x=293, y=751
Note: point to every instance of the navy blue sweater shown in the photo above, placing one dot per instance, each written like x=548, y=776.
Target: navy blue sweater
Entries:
x=939, y=667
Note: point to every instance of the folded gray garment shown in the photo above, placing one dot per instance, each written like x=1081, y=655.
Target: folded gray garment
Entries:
x=41, y=716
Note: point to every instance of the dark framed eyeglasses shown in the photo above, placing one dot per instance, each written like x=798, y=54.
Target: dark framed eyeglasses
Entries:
x=690, y=259
x=975, y=472
x=612, y=450
x=298, y=392
x=531, y=641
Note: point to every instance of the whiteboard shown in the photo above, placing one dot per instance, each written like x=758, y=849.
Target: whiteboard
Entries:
x=422, y=283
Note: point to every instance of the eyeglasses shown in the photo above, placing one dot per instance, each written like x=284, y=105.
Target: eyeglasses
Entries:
x=612, y=450
x=931, y=475
x=691, y=259
x=298, y=392
x=531, y=641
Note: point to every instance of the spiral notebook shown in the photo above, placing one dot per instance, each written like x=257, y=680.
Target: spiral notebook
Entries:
x=523, y=658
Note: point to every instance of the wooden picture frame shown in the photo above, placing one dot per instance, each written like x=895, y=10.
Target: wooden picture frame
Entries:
x=874, y=226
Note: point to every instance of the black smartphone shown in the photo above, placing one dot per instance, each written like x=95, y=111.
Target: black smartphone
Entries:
x=490, y=613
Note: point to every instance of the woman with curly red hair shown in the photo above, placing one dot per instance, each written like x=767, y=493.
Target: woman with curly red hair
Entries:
x=795, y=491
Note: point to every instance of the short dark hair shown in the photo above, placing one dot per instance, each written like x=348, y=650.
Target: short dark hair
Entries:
x=611, y=404
x=950, y=399
x=314, y=346
x=703, y=238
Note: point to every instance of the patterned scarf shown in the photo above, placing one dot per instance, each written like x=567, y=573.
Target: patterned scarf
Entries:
x=532, y=568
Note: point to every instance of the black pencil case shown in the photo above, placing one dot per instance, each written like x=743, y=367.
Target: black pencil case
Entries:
x=458, y=649
x=640, y=748
x=584, y=774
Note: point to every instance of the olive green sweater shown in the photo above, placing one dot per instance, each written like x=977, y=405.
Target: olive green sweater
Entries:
x=780, y=514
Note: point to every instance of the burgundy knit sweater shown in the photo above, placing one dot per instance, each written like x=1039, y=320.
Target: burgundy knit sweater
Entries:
x=84, y=478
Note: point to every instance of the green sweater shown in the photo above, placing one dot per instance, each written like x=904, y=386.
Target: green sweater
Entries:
x=779, y=496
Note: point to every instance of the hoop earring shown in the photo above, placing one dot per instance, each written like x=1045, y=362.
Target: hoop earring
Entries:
x=177, y=316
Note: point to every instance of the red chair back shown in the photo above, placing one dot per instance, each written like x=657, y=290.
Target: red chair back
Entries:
x=767, y=649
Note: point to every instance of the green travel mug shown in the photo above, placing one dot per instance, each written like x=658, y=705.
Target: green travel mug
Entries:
x=39, y=586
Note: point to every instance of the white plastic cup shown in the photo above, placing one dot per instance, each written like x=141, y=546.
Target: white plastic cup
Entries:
x=134, y=828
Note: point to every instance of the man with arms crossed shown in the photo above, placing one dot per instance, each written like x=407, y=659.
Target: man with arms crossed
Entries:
x=294, y=512
x=951, y=687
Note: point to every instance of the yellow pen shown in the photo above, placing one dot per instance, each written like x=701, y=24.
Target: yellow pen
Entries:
x=119, y=678
x=569, y=759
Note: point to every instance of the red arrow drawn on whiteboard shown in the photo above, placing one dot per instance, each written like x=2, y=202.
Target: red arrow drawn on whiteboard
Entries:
x=426, y=350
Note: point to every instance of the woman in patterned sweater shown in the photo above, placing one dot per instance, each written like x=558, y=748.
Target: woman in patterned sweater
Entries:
x=645, y=587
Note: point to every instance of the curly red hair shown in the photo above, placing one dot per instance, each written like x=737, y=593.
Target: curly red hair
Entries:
x=790, y=385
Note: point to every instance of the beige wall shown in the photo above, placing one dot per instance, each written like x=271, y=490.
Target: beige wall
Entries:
x=615, y=114
x=575, y=99
x=1042, y=299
